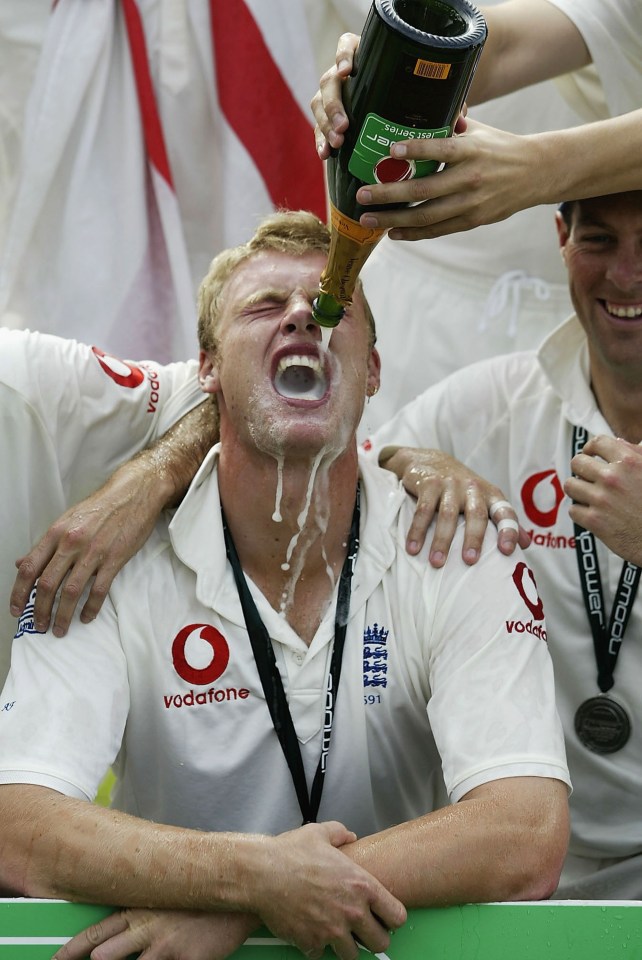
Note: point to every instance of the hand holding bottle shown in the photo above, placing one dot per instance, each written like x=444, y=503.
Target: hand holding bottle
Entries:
x=489, y=175
x=327, y=103
x=411, y=72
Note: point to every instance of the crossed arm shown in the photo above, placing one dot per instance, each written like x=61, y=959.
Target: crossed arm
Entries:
x=313, y=886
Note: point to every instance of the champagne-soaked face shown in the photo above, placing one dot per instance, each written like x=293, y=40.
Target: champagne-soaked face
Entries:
x=278, y=389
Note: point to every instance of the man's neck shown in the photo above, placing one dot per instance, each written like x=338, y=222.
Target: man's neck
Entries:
x=290, y=521
x=620, y=404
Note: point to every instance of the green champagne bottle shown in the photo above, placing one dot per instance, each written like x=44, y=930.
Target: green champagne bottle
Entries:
x=412, y=70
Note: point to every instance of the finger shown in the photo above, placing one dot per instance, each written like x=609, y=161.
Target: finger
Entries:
x=121, y=947
x=416, y=538
x=327, y=107
x=346, y=46
x=98, y=592
x=80, y=946
x=48, y=585
x=578, y=489
x=587, y=467
x=476, y=514
x=524, y=538
x=407, y=191
x=431, y=218
x=29, y=569
x=74, y=588
x=331, y=120
x=315, y=953
x=388, y=911
x=581, y=515
x=346, y=948
x=461, y=124
x=322, y=145
x=70, y=595
x=337, y=834
x=445, y=526
x=371, y=934
x=504, y=516
x=426, y=491
x=608, y=448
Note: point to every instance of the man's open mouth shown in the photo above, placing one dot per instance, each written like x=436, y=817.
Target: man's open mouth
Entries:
x=300, y=377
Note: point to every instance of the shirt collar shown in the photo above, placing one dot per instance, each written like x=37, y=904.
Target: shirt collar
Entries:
x=564, y=358
x=196, y=533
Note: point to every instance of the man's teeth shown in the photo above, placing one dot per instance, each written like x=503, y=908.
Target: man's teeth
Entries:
x=299, y=361
x=300, y=376
x=633, y=310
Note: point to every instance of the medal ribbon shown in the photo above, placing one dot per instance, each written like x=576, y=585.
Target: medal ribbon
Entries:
x=271, y=678
x=607, y=640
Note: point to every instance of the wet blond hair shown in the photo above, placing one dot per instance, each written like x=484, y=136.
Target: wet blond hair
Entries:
x=287, y=231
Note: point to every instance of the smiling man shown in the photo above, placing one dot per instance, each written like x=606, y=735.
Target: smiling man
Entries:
x=527, y=422
x=273, y=656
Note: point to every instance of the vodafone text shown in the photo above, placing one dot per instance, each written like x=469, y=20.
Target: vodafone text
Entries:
x=212, y=695
x=552, y=540
x=154, y=388
x=519, y=626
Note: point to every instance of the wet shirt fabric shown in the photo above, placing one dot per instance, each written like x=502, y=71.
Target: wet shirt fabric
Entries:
x=69, y=415
x=511, y=420
x=439, y=667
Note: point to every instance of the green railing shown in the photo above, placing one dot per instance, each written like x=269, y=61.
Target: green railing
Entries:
x=565, y=930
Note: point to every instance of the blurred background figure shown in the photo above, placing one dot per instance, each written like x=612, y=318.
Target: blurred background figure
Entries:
x=139, y=139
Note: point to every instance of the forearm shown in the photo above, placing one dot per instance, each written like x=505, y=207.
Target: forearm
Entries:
x=572, y=164
x=169, y=465
x=57, y=847
x=511, y=60
x=594, y=162
x=299, y=883
x=508, y=846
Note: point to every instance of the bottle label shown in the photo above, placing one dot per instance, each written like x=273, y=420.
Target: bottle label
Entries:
x=371, y=161
x=347, y=227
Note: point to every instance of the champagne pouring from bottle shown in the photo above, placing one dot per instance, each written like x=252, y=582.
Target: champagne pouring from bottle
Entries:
x=412, y=70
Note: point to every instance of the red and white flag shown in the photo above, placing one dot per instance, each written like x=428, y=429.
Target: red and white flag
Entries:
x=158, y=132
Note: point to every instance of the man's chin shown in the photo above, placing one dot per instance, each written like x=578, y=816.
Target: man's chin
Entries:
x=300, y=438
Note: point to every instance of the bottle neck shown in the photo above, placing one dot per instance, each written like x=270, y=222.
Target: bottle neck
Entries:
x=326, y=310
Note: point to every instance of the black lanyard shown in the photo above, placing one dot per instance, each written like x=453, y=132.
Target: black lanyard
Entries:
x=607, y=640
x=271, y=678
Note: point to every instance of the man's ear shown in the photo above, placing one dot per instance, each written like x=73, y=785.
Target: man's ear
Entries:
x=374, y=373
x=562, y=233
x=208, y=373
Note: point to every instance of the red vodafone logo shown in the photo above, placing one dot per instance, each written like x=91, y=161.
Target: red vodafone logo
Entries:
x=541, y=496
x=527, y=588
x=220, y=653
x=123, y=373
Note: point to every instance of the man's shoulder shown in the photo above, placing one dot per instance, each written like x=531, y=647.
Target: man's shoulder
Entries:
x=149, y=566
x=503, y=372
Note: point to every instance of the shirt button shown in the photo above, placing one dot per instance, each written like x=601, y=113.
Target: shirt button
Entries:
x=298, y=658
